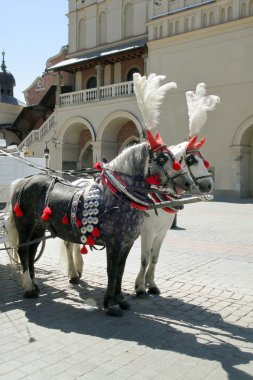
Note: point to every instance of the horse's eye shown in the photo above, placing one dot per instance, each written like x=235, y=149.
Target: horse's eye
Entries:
x=162, y=159
x=191, y=160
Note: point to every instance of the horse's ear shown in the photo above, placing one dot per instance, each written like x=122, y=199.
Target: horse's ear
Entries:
x=158, y=139
x=154, y=144
x=191, y=143
x=200, y=143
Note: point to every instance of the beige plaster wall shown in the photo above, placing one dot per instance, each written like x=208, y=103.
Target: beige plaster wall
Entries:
x=222, y=57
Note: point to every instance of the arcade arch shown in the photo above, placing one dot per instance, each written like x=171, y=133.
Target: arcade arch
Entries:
x=114, y=131
x=76, y=139
x=242, y=151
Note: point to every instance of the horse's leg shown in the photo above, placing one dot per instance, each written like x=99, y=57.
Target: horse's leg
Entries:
x=37, y=234
x=146, y=244
x=30, y=291
x=121, y=267
x=32, y=254
x=78, y=260
x=150, y=274
x=74, y=277
x=110, y=302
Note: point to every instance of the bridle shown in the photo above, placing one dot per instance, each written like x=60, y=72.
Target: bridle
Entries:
x=190, y=160
x=160, y=160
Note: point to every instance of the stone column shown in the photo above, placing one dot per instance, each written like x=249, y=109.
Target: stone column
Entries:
x=100, y=78
x=146, y=64
x=96, y=150
x=105, y=149
x=58, y=89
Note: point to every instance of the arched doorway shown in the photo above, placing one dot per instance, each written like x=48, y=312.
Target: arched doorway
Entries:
x=76, y=144
x=242, y=151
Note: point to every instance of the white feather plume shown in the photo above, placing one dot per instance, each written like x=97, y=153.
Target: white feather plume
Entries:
x=149, y=94
x=198, y=105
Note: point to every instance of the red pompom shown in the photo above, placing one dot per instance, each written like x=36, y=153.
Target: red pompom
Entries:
x=95, y=233
x=78, y=223
x=90, y=240
x=65, y=219
x=17, y=210
x=46, y=213
x=153, y=180
x=206, y=163
x=98, y=166
x=84, y=250
x=176, y=165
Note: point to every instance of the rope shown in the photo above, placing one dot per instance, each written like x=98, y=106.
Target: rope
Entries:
x=29, y=242
x=71, y=173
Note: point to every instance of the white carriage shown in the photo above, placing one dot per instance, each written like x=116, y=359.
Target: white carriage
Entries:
x=13, y=165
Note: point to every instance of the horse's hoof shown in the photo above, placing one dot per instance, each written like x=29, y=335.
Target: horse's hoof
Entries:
x=124, y=304
x=31, y=294
x=114, y=311
x=155, y=291
x=142, y=294
x=74, y=280
x=37, y=289
x=79, y=274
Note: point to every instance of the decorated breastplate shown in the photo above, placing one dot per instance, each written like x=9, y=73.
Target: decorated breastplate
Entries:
x=84, y=215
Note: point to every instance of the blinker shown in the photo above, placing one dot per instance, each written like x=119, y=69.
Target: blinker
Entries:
x=191, y=160
x=161, y=159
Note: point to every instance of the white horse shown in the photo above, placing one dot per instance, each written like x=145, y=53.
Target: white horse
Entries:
x=155, y=228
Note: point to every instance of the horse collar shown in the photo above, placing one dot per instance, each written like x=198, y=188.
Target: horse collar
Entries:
x=117, y=186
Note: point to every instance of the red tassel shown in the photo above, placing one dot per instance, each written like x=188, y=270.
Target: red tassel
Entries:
x=90, y=240
x=78, y=223
x=17, y=210
x=46, y=213
x=206, y=163
x=84, y=250
x=153, y=180
x=98, y=166
x=176, y=165
x=95, y=233
x=65, y=219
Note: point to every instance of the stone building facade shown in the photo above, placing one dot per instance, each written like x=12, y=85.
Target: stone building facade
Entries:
x=189, y=41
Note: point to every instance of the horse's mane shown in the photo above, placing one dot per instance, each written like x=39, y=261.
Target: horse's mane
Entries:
x=132, y=160
x=179, y=148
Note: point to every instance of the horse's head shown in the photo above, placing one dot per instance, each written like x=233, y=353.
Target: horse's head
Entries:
x=164, y=168
x=188, y=154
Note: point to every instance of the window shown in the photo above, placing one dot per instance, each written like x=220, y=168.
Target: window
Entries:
x=102, y=28
x=91, y=83
x=128, y=22
x=131, y=73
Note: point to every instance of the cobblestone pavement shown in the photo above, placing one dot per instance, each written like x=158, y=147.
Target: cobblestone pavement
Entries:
x=199, y=328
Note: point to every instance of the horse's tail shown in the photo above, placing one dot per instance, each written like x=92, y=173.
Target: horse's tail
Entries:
x=63, y=252
x=13, y=238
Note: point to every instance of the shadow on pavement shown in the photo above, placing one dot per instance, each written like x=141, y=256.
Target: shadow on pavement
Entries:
x=156, y=322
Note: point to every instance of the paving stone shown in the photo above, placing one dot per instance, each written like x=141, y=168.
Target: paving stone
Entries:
x=200, y=327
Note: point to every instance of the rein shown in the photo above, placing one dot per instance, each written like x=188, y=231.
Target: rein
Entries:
x=120, y=190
